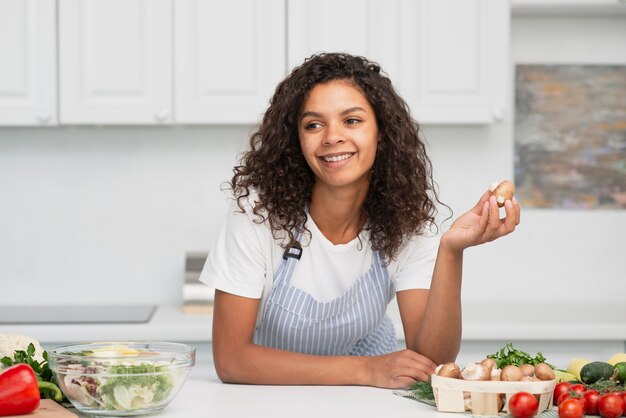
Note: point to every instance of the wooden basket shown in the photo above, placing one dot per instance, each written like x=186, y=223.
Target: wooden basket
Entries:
x=450, y=394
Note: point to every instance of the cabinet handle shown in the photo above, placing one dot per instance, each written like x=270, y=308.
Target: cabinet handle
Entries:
x=44, y=117
x=162, y=114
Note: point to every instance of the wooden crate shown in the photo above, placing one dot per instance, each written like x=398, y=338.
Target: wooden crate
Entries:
x=450, y=394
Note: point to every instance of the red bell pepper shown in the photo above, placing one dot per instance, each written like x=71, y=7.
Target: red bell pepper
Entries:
x=19, y=392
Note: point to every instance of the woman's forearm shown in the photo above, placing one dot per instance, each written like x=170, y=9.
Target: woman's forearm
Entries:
x=255, y=364
x=439, y=335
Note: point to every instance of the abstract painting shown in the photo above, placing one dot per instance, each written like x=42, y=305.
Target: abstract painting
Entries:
x=570, y=136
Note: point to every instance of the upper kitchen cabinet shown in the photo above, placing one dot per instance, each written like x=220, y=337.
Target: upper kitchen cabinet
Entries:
x=28, y=62
x=448, y=58
x=229, y=57
x=360, y=27
x=115, y=61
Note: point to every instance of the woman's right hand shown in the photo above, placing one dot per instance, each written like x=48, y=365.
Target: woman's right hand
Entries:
x=399, y=369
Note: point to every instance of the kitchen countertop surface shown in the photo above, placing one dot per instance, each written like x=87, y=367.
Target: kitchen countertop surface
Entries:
x=481, y=321
x=211, y=398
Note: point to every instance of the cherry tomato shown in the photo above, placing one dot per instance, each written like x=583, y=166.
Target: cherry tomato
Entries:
x=567, y=395
x=578, y=388
x=523, y=405
x=571, y=408
x=590, y=402
x=559, y=389
x=611, y=405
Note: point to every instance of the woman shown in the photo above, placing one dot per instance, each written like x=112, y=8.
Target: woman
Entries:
x=334, y=216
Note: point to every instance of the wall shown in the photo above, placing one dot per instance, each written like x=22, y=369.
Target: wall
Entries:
x=106, y=214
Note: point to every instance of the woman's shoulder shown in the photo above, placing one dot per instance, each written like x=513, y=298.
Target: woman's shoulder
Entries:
x=244, y=216
x=422, y=246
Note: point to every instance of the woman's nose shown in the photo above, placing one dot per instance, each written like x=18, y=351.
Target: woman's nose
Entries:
x=333, y=134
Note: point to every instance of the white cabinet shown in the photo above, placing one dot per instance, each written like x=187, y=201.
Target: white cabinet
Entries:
x=229, y=57
x=359, y=27
x=115, y=61
x=27, y=62
x=461, y=71
x=448, y=58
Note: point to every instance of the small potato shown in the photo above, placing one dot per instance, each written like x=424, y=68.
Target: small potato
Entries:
x=511, y=373
x=503, y=191
x=544, y=372
x=527, y=369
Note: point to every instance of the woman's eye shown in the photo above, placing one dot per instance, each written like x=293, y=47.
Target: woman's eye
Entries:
x=311, y=125
x=352, y=121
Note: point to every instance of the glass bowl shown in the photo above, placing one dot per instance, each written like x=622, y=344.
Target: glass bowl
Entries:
x=121, y=378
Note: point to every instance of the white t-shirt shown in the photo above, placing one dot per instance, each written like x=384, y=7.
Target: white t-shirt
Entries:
x=246, y=255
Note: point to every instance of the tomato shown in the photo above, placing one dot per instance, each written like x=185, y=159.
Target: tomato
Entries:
x=611, y=405
x=568, y=395
x=559, y=389
x=590, y=402
x=579, y=388
x=523, y=405
x=624, y=399
x=571, y=408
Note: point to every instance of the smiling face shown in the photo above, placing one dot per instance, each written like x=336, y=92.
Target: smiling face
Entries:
x=338, y=134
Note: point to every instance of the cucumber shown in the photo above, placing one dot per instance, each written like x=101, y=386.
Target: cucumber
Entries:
x=594, y=371
x=621, y=371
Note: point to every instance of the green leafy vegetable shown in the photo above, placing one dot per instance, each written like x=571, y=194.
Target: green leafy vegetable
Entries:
x=47, y=387
x=135, y=386
x=422, y=390
x=510, y=355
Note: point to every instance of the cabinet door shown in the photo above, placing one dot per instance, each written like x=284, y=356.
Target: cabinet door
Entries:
x=27, y=62
x=115, y=61
x=229, y=57
x=358, y=27
x=447, y=58
x=455, y=59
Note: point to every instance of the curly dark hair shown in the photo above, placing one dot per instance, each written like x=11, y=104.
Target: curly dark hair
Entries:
x=401, y=198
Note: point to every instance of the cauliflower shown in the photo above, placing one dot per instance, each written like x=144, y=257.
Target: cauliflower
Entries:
x=11, y=342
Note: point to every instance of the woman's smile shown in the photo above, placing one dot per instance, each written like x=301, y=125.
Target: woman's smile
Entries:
x=334, y=160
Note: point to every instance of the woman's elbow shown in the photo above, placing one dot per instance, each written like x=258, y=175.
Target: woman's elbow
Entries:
x=225, y=369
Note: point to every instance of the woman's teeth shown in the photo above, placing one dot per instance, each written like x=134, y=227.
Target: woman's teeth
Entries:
x=335, y=158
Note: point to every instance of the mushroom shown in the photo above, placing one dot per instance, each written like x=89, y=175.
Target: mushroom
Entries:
x=511, y=373
x=544, y=372
x=475, y=371
x=449, y=370
x=502, y=191
x=527, y=369
x=489, y=362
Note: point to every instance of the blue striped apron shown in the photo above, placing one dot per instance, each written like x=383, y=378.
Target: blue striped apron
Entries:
x=352, y=324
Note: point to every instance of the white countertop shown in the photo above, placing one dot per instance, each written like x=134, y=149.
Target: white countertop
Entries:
x=211, y=398
x=488, y=321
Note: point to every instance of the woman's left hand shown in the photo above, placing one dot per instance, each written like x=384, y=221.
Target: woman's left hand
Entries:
x=482, y=223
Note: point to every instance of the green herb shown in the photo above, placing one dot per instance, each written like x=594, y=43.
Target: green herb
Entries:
x=510, y=355
x=47, y=387
x=607, y=385
x=422, y=390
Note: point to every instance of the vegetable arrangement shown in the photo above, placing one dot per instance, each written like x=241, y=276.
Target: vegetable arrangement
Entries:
x=587, y=388
x=598, y=388
x=15, y=355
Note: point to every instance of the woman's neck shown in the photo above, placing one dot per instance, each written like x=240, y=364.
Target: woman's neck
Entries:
x=338, y=212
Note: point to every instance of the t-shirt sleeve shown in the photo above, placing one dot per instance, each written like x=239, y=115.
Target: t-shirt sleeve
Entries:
x=236, y=264
x=416, y=262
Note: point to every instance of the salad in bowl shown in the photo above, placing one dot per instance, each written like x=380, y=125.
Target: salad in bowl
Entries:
x=121, y=378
